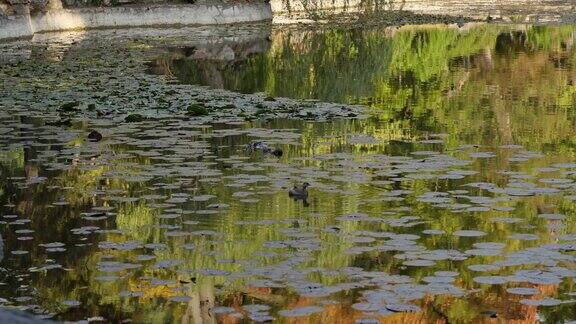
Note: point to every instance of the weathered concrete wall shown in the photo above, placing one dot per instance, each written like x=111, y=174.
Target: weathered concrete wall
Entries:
x=294, y=6
x=495, y=8
x=17, y=21
x=15, y=27
x=131, y=16
x=472, y=8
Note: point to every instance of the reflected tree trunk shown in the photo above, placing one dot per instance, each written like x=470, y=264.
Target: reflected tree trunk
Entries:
x=200, y=306
x=503, y=122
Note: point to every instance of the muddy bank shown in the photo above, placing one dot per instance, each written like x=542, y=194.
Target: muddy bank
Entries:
x=395, y=18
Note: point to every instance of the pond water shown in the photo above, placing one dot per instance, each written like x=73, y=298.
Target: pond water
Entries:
x=452, y=199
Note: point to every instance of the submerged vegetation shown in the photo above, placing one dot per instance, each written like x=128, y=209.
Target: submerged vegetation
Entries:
x=441, y=176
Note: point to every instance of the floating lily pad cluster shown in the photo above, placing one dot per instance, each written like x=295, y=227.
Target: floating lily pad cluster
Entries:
x=169, y=213
x=69, y=81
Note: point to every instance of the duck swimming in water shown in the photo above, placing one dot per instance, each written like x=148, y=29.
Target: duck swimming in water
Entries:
x=94, y=136
x=264, y=148
x=299, y=192
x=276, y=152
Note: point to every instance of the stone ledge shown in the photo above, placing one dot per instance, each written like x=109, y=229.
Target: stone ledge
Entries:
x=132, y=16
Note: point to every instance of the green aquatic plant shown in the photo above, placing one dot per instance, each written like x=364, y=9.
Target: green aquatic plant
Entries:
x=197, y=110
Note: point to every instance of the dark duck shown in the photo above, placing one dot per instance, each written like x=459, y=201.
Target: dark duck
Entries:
x=299, y=192
x=261, y=146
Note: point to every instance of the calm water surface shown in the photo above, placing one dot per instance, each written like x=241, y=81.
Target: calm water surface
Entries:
x=453, y=202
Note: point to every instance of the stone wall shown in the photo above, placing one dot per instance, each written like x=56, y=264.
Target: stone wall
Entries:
x=481, y=9
x=24, y=18
x=26, y=24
